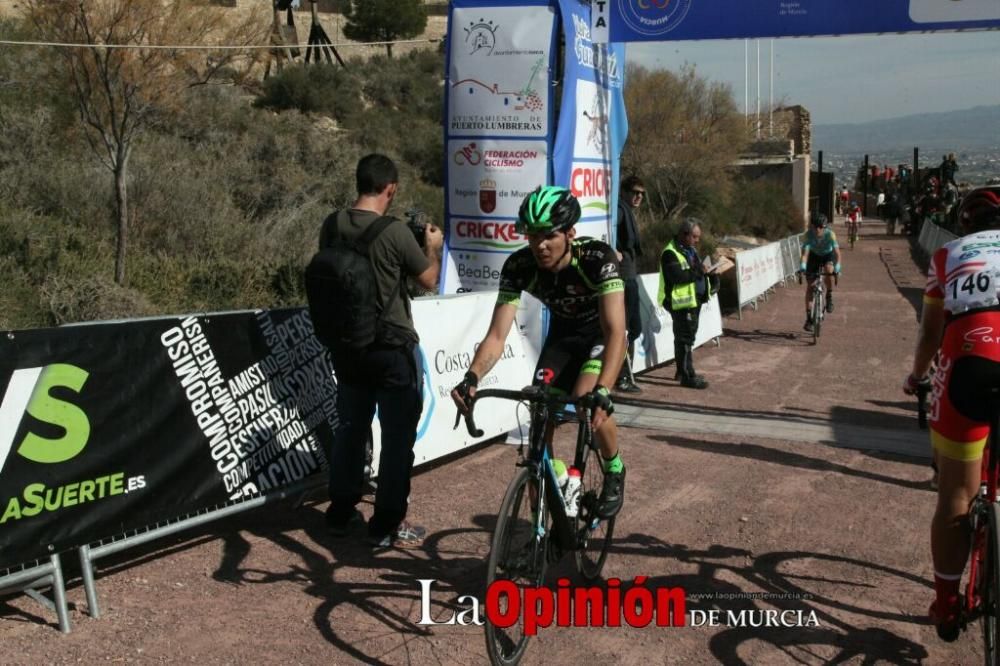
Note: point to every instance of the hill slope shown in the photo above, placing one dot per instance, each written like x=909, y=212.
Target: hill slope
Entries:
x=952, y=130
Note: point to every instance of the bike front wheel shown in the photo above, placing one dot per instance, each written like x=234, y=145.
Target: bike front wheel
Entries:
x=517, y=554
x=593, y=533
x=989, y=585
x=818, y=306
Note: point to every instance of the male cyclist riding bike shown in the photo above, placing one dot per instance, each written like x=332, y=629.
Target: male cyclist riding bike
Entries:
x=579, y=280
x=854, y=216
x=961, y=317
x=820, y=252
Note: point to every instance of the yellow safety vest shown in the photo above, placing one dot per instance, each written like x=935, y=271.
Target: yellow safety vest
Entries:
x=683, y=296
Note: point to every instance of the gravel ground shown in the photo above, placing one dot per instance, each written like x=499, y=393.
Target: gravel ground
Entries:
x=741, y=524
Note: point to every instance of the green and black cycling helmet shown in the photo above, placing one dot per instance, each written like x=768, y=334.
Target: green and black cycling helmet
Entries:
x=818, y=220
x=546, y=209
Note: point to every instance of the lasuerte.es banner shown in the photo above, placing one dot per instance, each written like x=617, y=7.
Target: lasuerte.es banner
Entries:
x=111, y=427
x=676, y=20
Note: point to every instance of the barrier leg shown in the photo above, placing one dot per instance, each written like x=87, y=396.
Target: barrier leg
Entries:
x=59, y=593
x=87, y=569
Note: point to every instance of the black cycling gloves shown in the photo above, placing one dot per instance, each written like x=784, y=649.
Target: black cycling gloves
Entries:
x=602, y=398
x=469, y=381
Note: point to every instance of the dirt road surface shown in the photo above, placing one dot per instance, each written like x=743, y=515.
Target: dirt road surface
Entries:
x=808, y=506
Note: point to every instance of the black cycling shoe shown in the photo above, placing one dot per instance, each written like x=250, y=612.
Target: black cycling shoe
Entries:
x=948, y=623
x=829, y=304
x=808, y=326
x=612, y=494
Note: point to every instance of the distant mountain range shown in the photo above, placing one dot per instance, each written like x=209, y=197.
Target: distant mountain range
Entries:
x=974, y=128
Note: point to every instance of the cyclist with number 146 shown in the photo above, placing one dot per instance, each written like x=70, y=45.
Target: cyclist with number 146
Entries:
x=820, y=254
x=579, y=280
x=960, y=324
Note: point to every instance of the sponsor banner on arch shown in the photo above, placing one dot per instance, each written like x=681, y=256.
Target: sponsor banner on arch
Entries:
x=592, y=120
x=107, y=428
x=498, y=122
x=490, y=177
x=675, y=20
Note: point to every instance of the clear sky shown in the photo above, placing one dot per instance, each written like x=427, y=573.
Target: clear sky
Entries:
x=849, y=79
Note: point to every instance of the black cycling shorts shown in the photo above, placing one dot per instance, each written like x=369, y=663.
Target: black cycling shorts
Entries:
x=564, y=357
x=816, y=262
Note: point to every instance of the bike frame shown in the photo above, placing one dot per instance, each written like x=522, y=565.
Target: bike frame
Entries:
x=979, y=517
x=544, y=406
x=539, y=459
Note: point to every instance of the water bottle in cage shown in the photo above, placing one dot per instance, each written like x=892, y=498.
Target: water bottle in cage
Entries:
x=572, y=493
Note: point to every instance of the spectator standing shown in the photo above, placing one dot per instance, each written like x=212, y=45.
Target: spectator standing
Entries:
x=684, y=288
x=387, y=374
x=948, y=168
x=629, y=247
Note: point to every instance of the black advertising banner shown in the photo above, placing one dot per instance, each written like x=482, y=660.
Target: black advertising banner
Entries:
x=106, y=428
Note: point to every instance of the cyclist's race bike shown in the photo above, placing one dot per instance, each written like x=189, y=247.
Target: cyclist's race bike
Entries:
x=982, y=594
x=852, y=231
x=817, y=284
x=533, y=529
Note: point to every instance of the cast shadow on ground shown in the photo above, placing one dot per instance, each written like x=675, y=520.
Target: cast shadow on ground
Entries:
x=770, y=338
x=791, y=459
x=840, y=414
x=909, y=286
x=370, y=620
x=787, y=581
x=714, y=411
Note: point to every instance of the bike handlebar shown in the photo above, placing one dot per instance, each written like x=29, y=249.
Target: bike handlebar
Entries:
x=800, y=273
x=532, y=394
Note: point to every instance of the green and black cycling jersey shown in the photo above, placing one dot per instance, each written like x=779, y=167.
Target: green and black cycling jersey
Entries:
x=571, y=294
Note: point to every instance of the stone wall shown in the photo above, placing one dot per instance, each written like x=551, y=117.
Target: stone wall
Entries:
x=787, y=123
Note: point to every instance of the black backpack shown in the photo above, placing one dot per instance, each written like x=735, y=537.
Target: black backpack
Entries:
x=342, y=290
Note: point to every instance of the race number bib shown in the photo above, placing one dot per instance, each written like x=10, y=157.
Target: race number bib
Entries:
x=972, y=273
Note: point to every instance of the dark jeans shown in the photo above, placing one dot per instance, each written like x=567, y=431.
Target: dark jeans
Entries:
x=685, y=329
x=390, y=378
x=685, y=326
x=633, y=320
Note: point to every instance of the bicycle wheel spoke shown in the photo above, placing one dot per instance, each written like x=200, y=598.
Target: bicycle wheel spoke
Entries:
x=593, y=533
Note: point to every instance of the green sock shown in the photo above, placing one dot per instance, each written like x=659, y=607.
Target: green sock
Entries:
x=615, y=465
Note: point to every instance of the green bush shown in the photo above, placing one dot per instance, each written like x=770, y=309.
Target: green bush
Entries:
x=764, y=209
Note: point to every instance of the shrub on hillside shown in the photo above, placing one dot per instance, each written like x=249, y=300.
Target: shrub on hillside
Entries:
x=764, y=209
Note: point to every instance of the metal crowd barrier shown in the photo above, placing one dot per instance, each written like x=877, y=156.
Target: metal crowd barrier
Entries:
x=31, y=576
x=932, y=237
x=789, y=252
x=90, y=553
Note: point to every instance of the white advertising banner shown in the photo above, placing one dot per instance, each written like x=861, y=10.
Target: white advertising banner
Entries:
x=758, y=270
x=499, y=74
x=499, y=119
x=449, y=329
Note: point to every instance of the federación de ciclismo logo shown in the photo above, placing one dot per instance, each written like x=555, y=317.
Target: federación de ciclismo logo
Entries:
x=653, y=17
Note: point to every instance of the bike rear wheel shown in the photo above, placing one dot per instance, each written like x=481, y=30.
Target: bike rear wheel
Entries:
x=593, y=533
x=989, y=586
x=515, y=555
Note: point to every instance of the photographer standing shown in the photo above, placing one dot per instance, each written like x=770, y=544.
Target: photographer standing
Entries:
x=388, y=373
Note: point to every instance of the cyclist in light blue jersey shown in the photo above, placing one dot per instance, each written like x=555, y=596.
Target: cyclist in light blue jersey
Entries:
x=820, y=252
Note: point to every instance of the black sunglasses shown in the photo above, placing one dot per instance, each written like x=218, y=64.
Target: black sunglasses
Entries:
x=635, y=192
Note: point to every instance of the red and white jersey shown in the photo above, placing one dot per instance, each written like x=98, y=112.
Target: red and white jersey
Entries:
x=965, y=273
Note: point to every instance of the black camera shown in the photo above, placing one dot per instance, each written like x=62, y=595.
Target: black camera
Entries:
x=417, y=225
